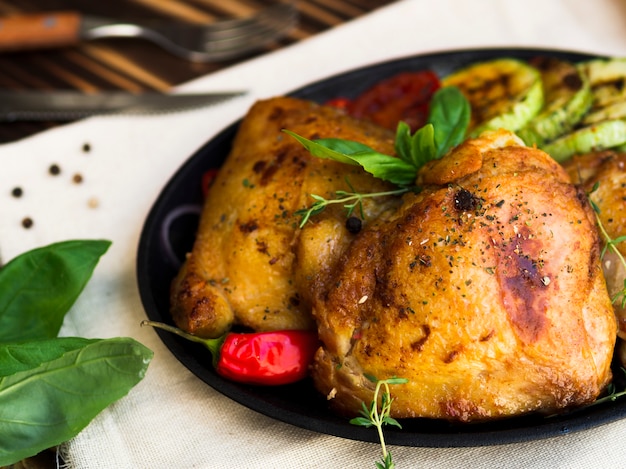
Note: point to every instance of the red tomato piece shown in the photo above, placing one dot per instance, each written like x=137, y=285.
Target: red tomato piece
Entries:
x=402, y=97
x=339, y=103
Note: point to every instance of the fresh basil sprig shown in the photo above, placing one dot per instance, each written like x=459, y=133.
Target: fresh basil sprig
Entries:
x=446, y=126
x=388, y=168
x=52, y=387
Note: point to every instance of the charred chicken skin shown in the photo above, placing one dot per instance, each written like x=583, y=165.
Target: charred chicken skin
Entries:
x=484, y=290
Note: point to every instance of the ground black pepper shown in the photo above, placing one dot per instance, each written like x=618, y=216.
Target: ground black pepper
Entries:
x=17, y=192
x=78, y=178
x=27, y=222
x=86, y=147
x=54, y=169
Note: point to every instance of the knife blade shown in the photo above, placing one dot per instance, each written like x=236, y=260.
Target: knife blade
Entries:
x=71, y=105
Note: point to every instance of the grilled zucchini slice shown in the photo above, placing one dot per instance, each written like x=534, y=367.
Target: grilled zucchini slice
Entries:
x=567, y=98
x=503, y=93
x=604, y=125
x=607, y=78
x=605, y=134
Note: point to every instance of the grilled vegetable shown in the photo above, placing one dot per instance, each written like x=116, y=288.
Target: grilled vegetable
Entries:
x=503, y=93
x=606, y=134
x=604, y=126
x=607, y=79
x=567, y=97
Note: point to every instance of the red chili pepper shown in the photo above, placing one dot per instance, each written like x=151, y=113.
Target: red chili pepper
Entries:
x=268, y=358
x=263, y=358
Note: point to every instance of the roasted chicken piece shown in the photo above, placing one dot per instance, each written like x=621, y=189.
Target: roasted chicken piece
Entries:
x=250, y=260
x=484, y=290
x=607, y=171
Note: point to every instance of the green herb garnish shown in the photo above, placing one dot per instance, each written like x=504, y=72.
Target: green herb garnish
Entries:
x=52, y=387
x=612, y=393
x=349, y=200
x=446, y=127
x=372, y=417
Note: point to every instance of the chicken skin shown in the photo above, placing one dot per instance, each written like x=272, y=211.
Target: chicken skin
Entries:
x=250, y=259
x=484, y=290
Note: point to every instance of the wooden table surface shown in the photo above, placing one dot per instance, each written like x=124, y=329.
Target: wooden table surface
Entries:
x=136, y=65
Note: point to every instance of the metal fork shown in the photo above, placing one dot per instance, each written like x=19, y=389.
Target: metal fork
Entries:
x=222, y=40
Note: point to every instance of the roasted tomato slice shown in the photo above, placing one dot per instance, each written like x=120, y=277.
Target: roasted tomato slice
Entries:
x=403, y=97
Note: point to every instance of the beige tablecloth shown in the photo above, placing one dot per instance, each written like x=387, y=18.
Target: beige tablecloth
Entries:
x=172, y=419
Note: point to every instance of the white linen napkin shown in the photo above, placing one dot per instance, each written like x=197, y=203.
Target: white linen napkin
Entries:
x=172, y=419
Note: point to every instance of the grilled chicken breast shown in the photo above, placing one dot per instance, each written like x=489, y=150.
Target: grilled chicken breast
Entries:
x=484, y=290
x=250, y=259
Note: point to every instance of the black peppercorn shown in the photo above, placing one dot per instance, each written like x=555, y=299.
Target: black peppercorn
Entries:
x=354, y=224
x=465, y=201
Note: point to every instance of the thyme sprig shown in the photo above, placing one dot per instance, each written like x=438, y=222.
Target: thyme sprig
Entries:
x=373, y=417
x=349, y=200
x=609, y=243
x=612, y=393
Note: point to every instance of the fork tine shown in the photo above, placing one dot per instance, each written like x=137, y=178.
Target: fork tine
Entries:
x=223, y=40
x=261, y=24
x=247, y=35
x=277, y=11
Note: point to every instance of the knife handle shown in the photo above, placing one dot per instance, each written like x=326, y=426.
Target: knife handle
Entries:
x=36, y=31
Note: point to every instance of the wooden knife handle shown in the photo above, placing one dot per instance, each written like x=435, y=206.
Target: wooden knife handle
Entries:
x=36, y=31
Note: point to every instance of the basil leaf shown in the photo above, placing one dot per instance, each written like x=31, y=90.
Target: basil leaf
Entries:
x=336, y=152
x=51, y=395
x=402, y=143
x=450, y=115
x=22, y=356
x=386, y=167
x=423, y=146
x=37, y=288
